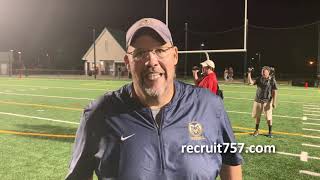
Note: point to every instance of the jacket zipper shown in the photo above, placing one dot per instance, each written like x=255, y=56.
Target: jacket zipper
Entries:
x=158, y=129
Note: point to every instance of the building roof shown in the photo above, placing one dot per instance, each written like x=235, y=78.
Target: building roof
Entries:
x=110, y=45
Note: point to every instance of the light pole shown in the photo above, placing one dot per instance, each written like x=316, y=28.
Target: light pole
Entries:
x=251, y=62
x=10, y=62
x=20, y=64
x=49, y=61
x=259, y=59
x=94, y=52
x=20, y=61
x=201, y=48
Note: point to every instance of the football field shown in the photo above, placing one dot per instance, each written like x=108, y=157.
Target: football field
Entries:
x=39, y=118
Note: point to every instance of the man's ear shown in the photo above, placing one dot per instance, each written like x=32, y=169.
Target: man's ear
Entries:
x=126, y=61
x=175, y=56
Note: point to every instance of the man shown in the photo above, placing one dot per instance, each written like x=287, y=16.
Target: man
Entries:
x=249, y=77
x=265, y=99
x=209, y=79
x=225, y=74
x=230, y=75
x=136, y=132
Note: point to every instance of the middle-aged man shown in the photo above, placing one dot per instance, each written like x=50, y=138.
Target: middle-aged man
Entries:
x=139, y=132
x=209, y=79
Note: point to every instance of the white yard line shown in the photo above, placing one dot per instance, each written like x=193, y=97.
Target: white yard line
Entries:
x=38, y=95
x=311, y=145
x=317, y=111
x=303, y=155
x=254, y=87
x=40, y=118
x=251, y=99
x=311, y=108
x=306, y=129
x=55, y=87
x=290, y=117
x=280, y=94
x=312, y=114
x=309, y=136
x=311, y=124
x=311, y=105
x=313, y=119
x=309, y=173
x=289, y=154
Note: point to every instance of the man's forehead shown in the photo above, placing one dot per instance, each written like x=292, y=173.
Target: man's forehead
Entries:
x=147, y=33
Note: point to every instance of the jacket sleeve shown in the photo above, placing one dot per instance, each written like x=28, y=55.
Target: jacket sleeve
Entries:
x=228, y=158
x=83, y=161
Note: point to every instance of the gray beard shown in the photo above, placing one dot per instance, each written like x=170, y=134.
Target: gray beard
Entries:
x=152, y=92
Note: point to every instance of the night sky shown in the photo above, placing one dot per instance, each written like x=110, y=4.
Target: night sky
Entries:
x=61, y=28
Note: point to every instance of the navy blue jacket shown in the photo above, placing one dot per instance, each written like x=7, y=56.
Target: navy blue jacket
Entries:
x=118, y=137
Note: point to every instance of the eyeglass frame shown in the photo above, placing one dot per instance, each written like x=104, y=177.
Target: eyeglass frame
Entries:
x=146, y=53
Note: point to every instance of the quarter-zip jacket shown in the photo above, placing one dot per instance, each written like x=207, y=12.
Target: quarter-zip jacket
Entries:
x=118, y=138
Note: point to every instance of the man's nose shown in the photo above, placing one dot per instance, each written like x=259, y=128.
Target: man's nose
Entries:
x=152, y=59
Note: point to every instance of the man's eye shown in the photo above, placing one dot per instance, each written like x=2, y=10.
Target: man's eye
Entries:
x=159, y=51
x=139, y=53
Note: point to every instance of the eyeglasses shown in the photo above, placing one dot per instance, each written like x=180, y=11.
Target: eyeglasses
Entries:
x=139, y=54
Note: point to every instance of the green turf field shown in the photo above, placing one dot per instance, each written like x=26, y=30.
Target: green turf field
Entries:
x=39, y=117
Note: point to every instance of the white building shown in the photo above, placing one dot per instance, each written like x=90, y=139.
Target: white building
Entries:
x=6, y=60
x=110, y=51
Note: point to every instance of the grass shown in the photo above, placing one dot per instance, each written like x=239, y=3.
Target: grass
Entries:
x=37, y=157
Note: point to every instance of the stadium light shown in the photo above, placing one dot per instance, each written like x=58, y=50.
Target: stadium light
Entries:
x=10, y=61
x=311, y=62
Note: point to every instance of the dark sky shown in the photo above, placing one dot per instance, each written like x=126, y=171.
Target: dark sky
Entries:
x=62, y=28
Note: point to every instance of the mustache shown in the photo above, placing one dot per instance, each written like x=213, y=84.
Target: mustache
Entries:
x=144, y=73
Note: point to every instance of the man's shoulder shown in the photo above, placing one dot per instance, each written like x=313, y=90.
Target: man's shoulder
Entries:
x=104, y=102
x=192, y=92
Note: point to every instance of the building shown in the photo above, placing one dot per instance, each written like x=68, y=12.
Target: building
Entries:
x=6, y=60
x=110, y=51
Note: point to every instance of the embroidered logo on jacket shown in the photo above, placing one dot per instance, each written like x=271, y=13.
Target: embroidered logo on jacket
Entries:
x=195, y=130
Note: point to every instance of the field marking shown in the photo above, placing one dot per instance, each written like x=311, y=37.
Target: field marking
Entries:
x=54, y=87
x=309, y=173
x=277, y=132
x=38, y=95
x=304, y=156
x=281, y=88
x=311, y=124
x=299, y=155
x=313, y=119
x=312, y=114
x=290, y=117
x=311, y=145
x=288, y=154
x=41, y=118
x=251, y=99
x=309, y=136
x=37, y=134
x=284, y=94
x=310, y=111
x=311, y=105
x=274, y=132
x=40, y=105
x=306, y=129
x=241, y=133
x=311, y=108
